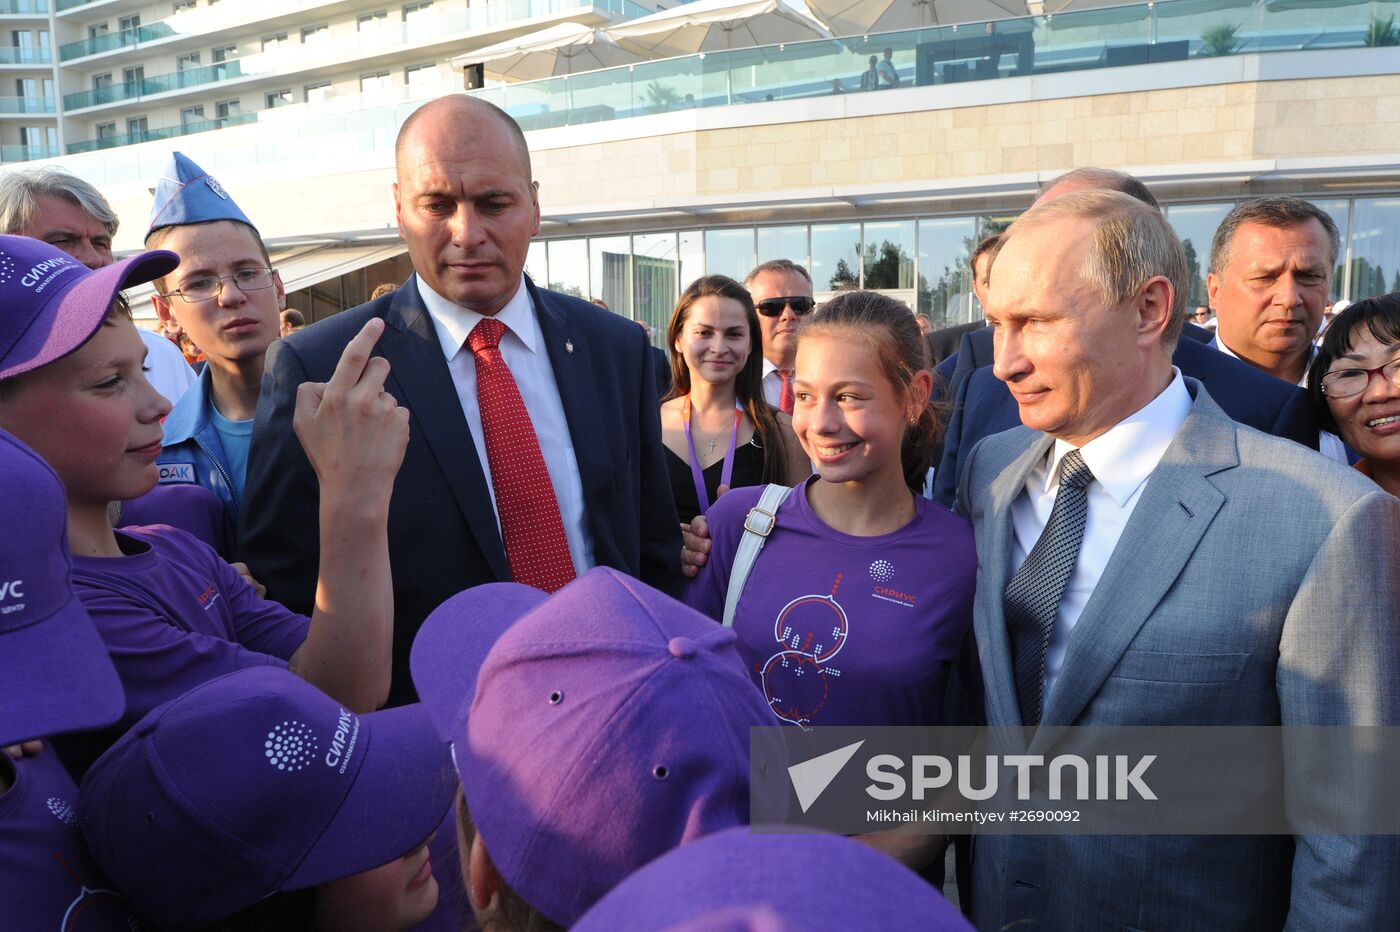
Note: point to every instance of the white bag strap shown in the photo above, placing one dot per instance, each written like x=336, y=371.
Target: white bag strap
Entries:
x=761, y=521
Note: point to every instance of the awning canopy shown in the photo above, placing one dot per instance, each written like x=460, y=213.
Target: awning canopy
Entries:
x=300, y=267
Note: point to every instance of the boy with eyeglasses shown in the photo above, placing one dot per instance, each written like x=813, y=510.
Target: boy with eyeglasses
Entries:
x=227, y=297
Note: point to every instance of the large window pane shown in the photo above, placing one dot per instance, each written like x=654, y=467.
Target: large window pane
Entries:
x=1375, y=247
x=656, y=270
x=782, y=243
x=729, y=252
x=690, y=245
x=535, y=264
x=568, y=267
x=835, y=257
x=610, y=272
x=945, y=273
x=1195, y=224
x=1337, y=209
x=888, y=263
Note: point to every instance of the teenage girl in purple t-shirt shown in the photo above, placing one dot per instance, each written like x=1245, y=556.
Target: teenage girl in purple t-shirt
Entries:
x=860, y=603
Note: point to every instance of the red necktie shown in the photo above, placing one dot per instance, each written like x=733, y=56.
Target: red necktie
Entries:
x=785, y=396
x=536, y=548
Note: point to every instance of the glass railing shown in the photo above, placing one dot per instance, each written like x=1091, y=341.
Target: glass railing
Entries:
x=27, y=105
x=1167, y=31
x=164, y=132
x=62, y=5
x=27, y=153
x=489, y=16
x=24, y=7
x=127, y=38
x=23, y=55
x=132, y=90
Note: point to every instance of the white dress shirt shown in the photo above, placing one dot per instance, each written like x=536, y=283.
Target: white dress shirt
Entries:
x=522, y=347
x=1329, y=445
x=772, y=383
x=1121, y=461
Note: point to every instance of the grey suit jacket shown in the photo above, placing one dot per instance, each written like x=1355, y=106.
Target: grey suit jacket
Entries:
x=1255, y=584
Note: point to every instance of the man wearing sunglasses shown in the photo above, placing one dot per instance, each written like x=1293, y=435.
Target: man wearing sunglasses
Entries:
x=782, y=295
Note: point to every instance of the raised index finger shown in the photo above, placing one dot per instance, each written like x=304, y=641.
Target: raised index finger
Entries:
x=356, y=355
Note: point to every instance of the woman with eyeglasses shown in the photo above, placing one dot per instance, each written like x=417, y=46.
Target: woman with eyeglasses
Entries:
x=718, y=430
x=1355, y=382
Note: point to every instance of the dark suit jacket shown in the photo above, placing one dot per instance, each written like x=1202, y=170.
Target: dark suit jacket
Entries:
x=944, y=343
x=982, y=404
x=443, y=536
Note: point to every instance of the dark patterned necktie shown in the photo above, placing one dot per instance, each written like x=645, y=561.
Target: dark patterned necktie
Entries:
x=1034, y=593
x=785, y=398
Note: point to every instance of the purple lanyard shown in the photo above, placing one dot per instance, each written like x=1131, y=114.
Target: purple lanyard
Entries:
x=698, y=474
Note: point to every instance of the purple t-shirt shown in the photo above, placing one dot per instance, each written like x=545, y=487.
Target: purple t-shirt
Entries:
x=47, y=878
x=842, y=630
x=190, y=508
x=173, y=615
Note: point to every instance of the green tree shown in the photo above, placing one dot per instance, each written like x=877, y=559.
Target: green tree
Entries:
x=843, y=277
x=892, y=268
x=565, y=289
x=1196, y=286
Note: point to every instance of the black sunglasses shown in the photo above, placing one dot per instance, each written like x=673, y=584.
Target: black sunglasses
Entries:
x=774, y=306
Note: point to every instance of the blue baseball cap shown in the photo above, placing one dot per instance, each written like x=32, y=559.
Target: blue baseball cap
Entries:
x=186, y=193
x=254, y=783
x=55, y=673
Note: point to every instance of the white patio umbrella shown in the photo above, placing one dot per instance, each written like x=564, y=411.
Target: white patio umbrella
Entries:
x=860, y=17
x=716, y=25
x=562, y=49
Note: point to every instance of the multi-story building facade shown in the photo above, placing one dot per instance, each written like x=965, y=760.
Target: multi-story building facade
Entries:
x=654, y=172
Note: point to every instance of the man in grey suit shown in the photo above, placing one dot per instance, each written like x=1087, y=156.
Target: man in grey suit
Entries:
x=1145, y=560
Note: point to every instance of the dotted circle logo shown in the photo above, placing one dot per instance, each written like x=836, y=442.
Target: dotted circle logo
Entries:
x=290, y=746
x=882, y=571
x=7, y=268
x=62, y=810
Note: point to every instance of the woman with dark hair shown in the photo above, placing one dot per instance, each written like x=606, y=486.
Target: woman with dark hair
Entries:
x=718, y=430
x=860, y=603
x=1355, y=382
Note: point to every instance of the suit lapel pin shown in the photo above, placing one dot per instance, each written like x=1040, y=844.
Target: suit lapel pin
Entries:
x=568, y=346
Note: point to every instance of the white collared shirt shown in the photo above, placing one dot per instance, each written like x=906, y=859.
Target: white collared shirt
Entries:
x=1329, y=445
x=1121, y=460
x=523, y=349
x=772, y=383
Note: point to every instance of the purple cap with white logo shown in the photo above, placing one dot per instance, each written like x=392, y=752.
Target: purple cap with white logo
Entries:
x=593, y=729
x=254, y=783
x=744, y=881
x=53, y=304
x=55, y=673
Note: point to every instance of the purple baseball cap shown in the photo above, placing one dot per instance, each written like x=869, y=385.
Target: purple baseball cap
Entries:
x=255, y=783
x=55, y=673
x=741, y=880
x=54, y=304
x=593, y=729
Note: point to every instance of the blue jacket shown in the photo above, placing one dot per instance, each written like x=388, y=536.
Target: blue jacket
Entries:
x=193, y=453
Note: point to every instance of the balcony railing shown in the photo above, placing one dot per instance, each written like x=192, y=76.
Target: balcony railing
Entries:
x=1174, y=30
x=27, y=153
x=24, y=7
x=164, y=132
x=24, y=55
x=27, y=105
x=133, y=90
x=62, y=5
x=127, y=38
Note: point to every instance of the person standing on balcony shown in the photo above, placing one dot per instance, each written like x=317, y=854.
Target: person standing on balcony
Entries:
x=535, y=447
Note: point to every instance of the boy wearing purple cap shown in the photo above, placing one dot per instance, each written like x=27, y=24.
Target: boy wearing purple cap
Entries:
x=254, y=801
x=171, y=613
x=55, y=676
x=593, y=730
x=227, y=297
